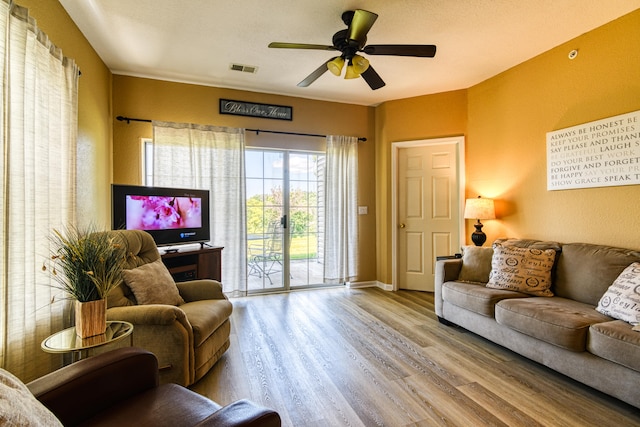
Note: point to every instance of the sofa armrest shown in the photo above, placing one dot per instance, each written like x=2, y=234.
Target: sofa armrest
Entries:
x=79, y=391
x=446, y=271
x=243, y=413
x=197, y=290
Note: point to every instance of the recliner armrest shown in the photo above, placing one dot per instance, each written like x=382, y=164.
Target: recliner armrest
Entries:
x=78, y=391
x=149, y=314
x=202, y=289
x=243, y=413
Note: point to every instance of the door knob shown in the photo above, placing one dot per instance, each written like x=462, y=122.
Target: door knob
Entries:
x=402, y=225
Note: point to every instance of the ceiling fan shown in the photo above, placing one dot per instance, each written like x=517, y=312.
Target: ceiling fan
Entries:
x=351, y=41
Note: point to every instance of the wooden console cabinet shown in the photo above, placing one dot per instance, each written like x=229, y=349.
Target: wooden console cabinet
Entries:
x=205, y=263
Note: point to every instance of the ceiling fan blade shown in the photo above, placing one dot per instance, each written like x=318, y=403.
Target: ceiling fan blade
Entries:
x=281, y=45
x=360, y=25
x=421, y=50
x=372, y=78
x=316, y=74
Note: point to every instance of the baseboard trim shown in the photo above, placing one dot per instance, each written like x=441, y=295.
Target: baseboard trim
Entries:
x=385, y=286
x=355, y=285
x=370, y=284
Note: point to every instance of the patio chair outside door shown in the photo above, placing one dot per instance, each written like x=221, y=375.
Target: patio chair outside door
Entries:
x=265, y=259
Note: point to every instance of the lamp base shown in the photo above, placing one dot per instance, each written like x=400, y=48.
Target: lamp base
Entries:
x=478, y=237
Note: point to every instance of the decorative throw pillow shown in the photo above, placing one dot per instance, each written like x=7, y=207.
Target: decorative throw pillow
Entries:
x=525, y=270
x=152, y=284
x=18, y=407
x=476, y=264
x=622, y=299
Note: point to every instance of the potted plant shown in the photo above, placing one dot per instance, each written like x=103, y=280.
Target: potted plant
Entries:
x=87, y=264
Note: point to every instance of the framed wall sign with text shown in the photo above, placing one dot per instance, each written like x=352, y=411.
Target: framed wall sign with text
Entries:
x=254, y=109
x=602, y=153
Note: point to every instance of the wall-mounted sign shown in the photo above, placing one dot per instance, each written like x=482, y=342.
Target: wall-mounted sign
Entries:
x=253, y=109
x=603, y=153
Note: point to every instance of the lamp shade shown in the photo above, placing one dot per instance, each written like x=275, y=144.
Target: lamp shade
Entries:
x=479, y=208
x=357, y=65
x=360, y=64
x=335, y=65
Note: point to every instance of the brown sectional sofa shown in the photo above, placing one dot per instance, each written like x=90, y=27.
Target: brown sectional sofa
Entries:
x=119, y=388
x=563, y=332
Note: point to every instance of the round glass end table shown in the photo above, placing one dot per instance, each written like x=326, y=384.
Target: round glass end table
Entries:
x=66, y=341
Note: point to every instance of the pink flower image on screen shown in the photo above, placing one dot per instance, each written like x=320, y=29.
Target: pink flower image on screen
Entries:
x=162, y=212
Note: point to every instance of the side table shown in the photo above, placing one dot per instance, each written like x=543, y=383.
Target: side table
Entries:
x=66, y=341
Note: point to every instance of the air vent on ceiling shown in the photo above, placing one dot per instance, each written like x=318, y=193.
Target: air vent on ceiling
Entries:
x=244, y=68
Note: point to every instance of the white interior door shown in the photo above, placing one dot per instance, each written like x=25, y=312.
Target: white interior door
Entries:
x=428, y=212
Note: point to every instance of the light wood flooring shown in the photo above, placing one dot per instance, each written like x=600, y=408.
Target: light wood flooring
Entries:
x=367, y=357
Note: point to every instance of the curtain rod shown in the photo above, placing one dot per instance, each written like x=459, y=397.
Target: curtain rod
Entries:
x=257, y=131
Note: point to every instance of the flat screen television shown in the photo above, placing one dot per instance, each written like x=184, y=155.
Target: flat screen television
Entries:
x=172, y=216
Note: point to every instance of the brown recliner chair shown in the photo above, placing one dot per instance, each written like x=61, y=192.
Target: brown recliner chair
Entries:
x=121, y=388
x=187, y=338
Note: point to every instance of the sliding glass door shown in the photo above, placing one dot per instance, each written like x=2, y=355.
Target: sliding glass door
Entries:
x=284, y=219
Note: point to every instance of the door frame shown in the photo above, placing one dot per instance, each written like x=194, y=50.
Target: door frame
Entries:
x=459, y=142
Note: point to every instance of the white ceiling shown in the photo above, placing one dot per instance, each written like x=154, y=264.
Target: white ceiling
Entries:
x=195, y=41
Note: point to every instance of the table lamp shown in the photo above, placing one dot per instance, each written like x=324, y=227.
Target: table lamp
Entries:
x=478, y=209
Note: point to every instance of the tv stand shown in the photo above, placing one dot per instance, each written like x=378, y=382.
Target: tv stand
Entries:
x=203, y=263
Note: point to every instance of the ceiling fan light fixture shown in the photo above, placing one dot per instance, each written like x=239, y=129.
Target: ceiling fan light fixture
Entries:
x=360, y=64
x=335, y=65
x=357, y=65
x=351, y=72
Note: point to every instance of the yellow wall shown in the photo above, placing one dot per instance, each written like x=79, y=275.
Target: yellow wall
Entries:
x=425, y=117
x=94, y=109
x=179, y=102
x=509, y=116
x=505, y=120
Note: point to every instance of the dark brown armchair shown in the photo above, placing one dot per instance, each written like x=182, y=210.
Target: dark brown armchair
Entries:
x=121, y=388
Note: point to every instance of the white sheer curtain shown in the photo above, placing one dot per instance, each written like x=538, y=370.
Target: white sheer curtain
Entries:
x=341, y=210
x=210, y=158
x=38, y=135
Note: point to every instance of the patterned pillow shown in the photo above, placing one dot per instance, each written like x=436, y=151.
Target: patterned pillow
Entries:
x=622, y=299
x=152, y=284
x=526, y=270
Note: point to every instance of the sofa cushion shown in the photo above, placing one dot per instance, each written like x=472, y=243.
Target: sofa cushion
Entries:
x=476, y=264
x=558, y=321
x=18, y=407
x=585, y=271
x=622, y=299
x=152, y=284
x=616, y=342
x=525, y=270
x=476, y=297
x=206, y=316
